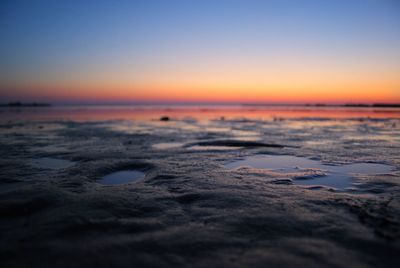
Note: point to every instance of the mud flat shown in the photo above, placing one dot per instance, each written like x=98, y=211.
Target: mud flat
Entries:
x=177, y=194
x=122, y=177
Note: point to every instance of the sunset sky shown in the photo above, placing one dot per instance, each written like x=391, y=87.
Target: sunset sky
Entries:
x=200, y=51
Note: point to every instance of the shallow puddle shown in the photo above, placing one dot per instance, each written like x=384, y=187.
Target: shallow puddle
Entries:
x=213, y=148
x=337, y=176
x=167, y=145
x=51, y=163
x=122, y=177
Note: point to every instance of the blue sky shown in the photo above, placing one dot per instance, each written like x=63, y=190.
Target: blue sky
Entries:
x=67, y=41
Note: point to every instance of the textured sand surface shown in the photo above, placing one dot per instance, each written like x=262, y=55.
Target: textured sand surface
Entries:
x=190, y=209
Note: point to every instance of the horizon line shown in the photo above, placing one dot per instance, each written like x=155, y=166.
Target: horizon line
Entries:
x=206, y=103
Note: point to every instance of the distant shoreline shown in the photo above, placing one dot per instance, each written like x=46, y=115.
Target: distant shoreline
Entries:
x=356, y=105
x=20, y=104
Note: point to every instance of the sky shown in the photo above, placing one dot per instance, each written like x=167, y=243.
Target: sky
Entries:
x=271, y=51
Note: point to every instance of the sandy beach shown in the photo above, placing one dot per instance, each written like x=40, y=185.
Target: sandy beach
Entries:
x=214, y=192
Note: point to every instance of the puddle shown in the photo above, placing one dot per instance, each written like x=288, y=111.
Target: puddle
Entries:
x=338, y=181
x=167, y=145
x=121, y=177
x=51, y=163
x=213, y=148
x=339, y=177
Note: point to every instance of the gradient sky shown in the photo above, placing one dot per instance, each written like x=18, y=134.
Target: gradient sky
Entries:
x=217, y=51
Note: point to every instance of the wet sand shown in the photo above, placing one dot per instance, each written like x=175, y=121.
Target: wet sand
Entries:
x=191, y=208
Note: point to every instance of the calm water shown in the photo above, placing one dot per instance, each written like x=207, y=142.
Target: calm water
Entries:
x=122, y=177
x=339, y=177
x=151, y=112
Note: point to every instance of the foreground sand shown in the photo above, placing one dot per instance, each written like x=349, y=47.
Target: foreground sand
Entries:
x=190, y=210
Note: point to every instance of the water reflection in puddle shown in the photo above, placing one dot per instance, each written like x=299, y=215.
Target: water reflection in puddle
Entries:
x=339, y=177
x=167, y=145
x=213, y=148
x=121, y=177
x=51, y=163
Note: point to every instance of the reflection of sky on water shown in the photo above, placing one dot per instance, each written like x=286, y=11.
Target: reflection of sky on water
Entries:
x=149, y=112
x=121, y=177
x=167, y=145
x=337, y=176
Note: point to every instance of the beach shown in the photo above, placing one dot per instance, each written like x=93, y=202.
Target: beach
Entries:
x=204, y=187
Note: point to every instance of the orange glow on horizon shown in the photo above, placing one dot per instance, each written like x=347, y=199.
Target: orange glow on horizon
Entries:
x=280, y=93
x=219, y=83
x=289, y=79
x=221, y=56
